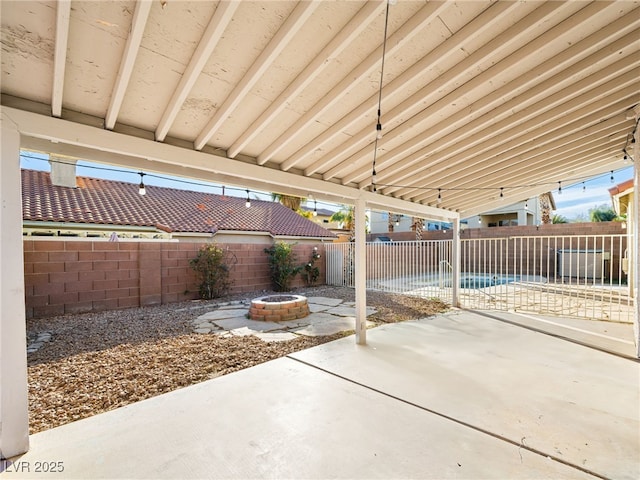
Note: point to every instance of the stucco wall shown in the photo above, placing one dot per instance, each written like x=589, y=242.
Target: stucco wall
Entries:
x=80, y=276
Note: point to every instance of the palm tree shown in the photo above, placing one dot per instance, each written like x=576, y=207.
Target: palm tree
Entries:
x=559, y=219
x=288, y=201
x=345, y=216
x=602, y=213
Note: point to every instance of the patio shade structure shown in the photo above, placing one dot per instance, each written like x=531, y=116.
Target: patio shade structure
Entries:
x=479, y=102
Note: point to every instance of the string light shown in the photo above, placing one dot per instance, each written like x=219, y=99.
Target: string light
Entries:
x=141, y=189
x=584, y=188
x=248, y=202
x=379, y=123
x=315, y=209
x=501, y=192
x=612, y=179
x=439, y=199
x=526, y=205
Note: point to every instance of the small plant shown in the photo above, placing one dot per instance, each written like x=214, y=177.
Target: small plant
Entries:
x=212, y=265
x=311, y=272
x=282, y=264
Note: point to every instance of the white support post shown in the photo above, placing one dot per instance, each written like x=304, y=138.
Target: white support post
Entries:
x=635, y=236
x=360, y=262
x=455, y=263
x=14, y=418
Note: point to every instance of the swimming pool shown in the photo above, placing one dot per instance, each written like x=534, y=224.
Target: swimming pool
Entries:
x=476, y=280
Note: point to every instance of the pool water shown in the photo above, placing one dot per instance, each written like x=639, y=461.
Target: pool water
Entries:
x=475, y=281
x=484, y=281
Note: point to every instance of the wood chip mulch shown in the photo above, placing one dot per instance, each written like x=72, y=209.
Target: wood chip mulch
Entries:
x=96, y=362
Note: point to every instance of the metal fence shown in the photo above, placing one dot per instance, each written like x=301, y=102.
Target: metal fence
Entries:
x=577, y=276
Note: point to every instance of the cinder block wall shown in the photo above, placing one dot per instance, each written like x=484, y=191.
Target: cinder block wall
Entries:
x=77, y=276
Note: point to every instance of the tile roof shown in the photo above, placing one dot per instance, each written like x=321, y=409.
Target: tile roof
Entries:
x=109, y=202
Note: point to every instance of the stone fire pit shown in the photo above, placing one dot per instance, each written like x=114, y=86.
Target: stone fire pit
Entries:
x=277, y=308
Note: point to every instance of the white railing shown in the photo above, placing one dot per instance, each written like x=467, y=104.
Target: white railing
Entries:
x=577, y=276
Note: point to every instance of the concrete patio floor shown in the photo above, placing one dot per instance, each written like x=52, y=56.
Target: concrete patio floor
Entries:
x=459, y=395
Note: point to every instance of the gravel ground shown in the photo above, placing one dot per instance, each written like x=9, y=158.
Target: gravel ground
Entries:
x=96, y=362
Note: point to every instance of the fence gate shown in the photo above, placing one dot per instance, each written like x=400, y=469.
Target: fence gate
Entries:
x=577, y=276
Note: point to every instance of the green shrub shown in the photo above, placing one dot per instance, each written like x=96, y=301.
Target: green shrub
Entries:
x=282, y=265
x=213, y=265
x=311, y=272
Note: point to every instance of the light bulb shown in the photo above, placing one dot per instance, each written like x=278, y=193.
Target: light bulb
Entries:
x=379, y=131
x=141, y=189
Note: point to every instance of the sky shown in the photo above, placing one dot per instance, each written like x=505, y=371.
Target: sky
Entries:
x=574, y=201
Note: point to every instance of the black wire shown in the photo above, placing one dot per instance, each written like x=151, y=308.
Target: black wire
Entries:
x=384, y=53
x=577, y=180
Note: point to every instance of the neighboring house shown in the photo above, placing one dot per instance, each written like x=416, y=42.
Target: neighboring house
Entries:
x=386, y=223
x=322, y=217
x=622, y=198
x=109, y=209
x=533, y=211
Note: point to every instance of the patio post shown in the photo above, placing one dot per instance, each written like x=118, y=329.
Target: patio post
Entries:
x=14, y=417
x=455, y=263
x=360, y=265
x=635, y=234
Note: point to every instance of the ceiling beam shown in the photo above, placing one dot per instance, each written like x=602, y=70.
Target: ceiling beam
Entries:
x=217, y=25
x=413, y=108
x=521, y=113
x=337, y=45
x=138, y=23
x=554, y=133
x=89, y=142
x=515, y=167
x=598, y=164
x=472, y=90
x=469, y=209
x=403, y=35
x=63, y=12
x=482, y=123
x=279, y=42
x=397, y=86
x=546, y=167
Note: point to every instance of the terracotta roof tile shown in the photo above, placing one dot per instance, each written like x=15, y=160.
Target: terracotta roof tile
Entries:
x=111, y=202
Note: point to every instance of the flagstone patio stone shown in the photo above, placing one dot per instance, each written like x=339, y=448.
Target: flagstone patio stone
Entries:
x=223, y=313
x=332, y=302
x=243, y=322
x=316, y=307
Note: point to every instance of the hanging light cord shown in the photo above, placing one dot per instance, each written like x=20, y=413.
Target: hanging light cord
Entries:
x=379, y=124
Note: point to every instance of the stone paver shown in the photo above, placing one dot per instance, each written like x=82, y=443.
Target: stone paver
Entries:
x=222, y=313
x=332, y=302
x=316, y=307
x=243, y=322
